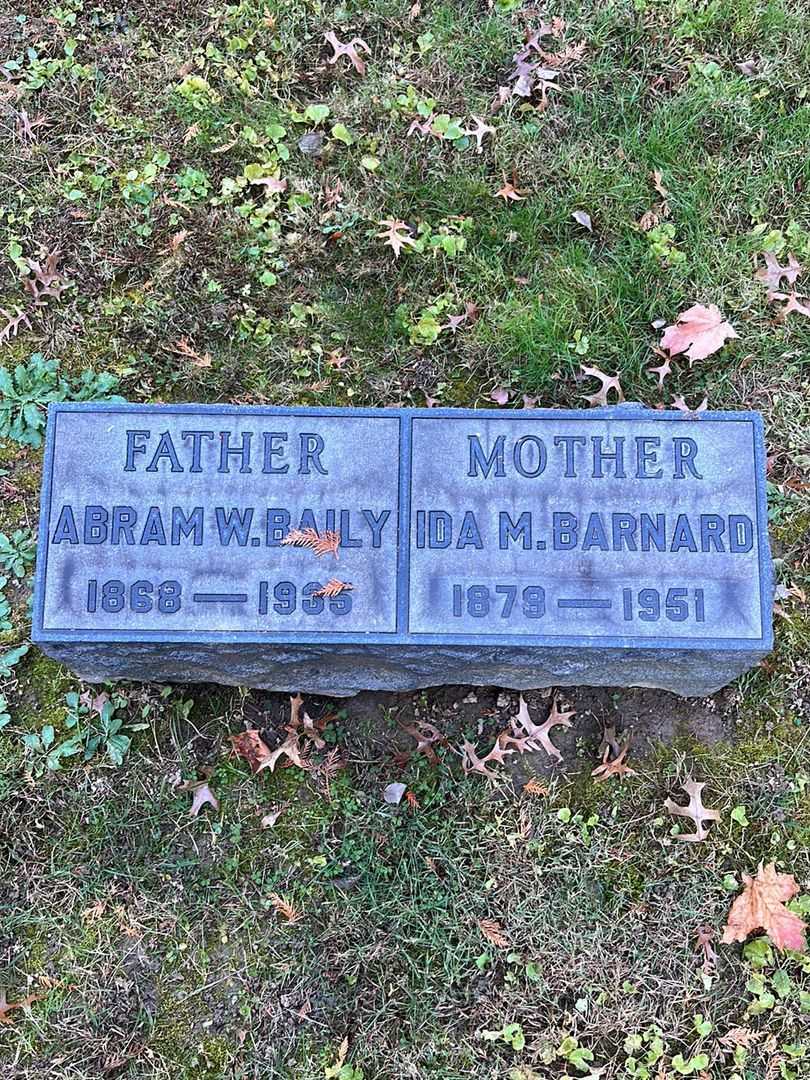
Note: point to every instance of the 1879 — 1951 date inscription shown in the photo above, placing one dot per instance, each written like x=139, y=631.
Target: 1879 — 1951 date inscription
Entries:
x=620, y=527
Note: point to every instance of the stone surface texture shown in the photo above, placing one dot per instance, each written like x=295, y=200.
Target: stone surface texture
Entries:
x=343, y=670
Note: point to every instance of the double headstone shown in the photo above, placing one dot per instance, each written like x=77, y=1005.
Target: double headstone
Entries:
x=334, y=550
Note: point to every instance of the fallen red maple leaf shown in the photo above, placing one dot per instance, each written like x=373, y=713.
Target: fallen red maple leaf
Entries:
x=761, y=906
x=698, y=332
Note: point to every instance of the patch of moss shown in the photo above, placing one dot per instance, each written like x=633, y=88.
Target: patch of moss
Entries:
x=44, y=683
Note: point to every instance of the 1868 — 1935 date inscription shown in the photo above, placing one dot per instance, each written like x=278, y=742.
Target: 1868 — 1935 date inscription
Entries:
x=248, y=544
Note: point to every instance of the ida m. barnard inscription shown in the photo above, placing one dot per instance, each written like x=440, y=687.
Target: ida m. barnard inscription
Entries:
x=333, y=550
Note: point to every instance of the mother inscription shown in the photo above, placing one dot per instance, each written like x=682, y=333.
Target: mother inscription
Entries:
x=619, y=546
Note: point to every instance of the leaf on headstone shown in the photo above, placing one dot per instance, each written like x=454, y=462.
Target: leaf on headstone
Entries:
x=771, y=273
x=334, y=587
x=695, y=810
x=609, y=382
x=583, y=218
x=479, y=132
x=393, y=793
x=493, y=932
x=396, y=235
x=761, y=906
x=323, y=543
x=699, y=331
x=349, y=50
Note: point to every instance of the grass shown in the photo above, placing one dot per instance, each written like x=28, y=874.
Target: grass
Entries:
x=151, y=939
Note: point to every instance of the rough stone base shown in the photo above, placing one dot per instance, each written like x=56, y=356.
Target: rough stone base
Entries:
x=344, y=670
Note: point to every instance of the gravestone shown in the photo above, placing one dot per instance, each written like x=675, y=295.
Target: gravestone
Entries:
x=521, y=549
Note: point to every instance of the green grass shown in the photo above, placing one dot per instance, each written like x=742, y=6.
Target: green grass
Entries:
x=151, y=939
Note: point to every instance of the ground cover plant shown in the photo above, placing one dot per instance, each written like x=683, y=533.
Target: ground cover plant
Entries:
x=464, y=204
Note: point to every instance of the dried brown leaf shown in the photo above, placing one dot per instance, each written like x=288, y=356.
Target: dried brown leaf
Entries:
x=334, y=587
x=679, y=403
x=704, y=936
x=324, y=543
x=427, y=736
x=695, y=810
x=349, y=50
x=609, y=382
x=479, y=132
x=284, y=908
x=540, y=734
x=13, y=323
x=493, y=932
x=536, y=788
x=7, y=1006
x=771, y=273
x=396, y=235
x=613, y=762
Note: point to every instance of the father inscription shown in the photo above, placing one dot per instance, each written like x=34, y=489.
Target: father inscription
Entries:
x=620, y=546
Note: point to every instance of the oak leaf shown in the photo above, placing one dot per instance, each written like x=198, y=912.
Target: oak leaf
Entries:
x=493, y=932
x=704, y=936
x=7, y=1006
x=396, y=234
x=252, y=747
x=349, y=50
x=761, y=906
x=201, y=795
x=13, y=323
x=613, y=762
x=771, y=273
x=695, y=810
x=679, y=403
x=472, y=763
x=426, y=735
x=699, y=331
x=662, y=371
x=479, y=132
x=794, y=303
x=509, y=192
x=609, y=382
x=540, y=734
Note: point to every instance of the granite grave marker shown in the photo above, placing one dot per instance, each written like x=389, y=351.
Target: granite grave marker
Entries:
x=613, y=547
